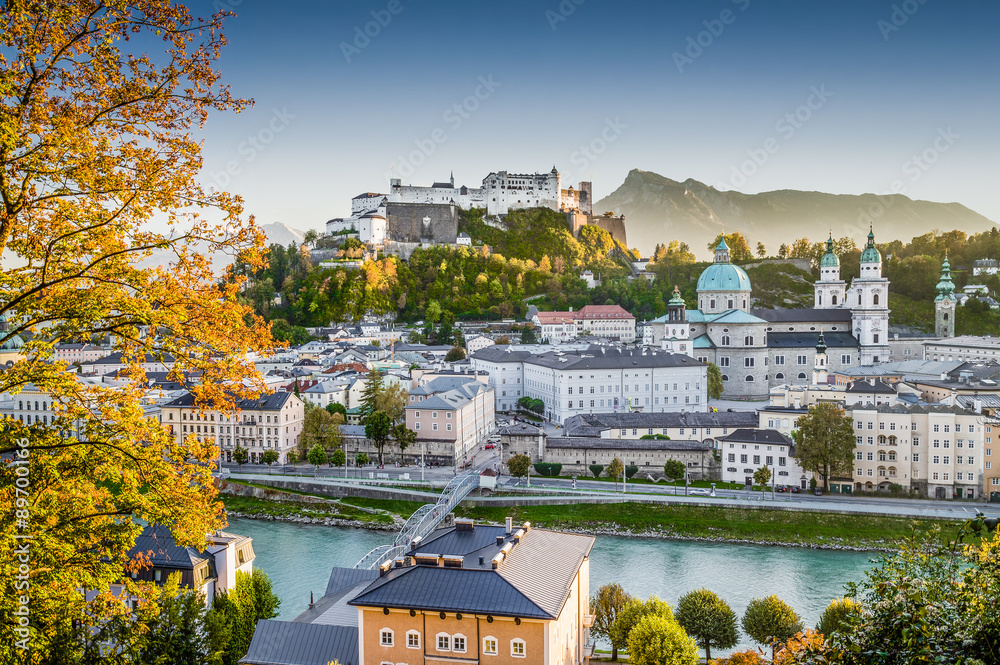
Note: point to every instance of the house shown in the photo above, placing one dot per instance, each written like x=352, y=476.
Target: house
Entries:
x=451, y=416
x=605, y=321
x=474, y=343
x=469, y=593
x=650, y=455
x=463, y=239
x=746, y=450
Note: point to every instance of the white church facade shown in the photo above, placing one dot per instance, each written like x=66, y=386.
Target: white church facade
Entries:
x=757, y=349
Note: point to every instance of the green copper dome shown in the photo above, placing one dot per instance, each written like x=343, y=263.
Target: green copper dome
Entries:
x=945, y=287
x=676, y=299
x=870, y=254
x=829, y=259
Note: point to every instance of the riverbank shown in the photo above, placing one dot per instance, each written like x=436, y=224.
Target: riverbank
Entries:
x=827, y=531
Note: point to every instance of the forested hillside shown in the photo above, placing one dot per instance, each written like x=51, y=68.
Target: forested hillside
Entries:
x=536, y=258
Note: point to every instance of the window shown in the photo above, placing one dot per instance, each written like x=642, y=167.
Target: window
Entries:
x=779, y=360
x=490, y=645
x=724, y=361
x=725, y=340
x=748, y=362
x=386, y=639
x=916, y=457
x=412, y=639
x=443, y=642
x=458, y=643
x=517, y=648
x=801, y=360
x=748, y=340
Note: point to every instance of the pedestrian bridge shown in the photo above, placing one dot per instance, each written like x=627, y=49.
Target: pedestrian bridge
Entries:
x=423, y=521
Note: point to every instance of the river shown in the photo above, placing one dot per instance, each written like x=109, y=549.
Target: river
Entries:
x=299, y=558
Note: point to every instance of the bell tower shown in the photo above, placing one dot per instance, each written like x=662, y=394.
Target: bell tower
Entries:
x=944, y=303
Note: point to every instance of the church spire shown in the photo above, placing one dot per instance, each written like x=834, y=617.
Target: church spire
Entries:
x=945, y=287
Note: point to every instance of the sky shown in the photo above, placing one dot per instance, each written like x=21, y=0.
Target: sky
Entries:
x=752, y=95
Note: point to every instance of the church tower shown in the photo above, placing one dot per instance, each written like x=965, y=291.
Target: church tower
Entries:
x=820, y=374
x=944, y=303
x=830, y=290
x=676, y=334
x=868, y=299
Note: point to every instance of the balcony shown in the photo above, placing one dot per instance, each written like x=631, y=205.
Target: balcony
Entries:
x=588, y=620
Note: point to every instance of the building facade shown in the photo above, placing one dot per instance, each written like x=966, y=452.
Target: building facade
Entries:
x=452, y=417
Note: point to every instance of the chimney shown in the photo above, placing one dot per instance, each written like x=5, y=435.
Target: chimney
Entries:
x=482, y=560
x=977, y=405
x=499, y=541
x=510, y=525
x=464, y=524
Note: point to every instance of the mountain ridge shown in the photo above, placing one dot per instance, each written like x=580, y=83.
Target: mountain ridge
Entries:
x=658, y=209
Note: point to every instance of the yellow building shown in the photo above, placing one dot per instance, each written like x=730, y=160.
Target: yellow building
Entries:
x=467, y=594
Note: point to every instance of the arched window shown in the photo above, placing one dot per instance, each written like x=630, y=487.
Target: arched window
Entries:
x=819, y=298
x=517, y=648
x=443, y=642
x=892, y=455
x=779, y=375
x=725, y=377
x=20, y=406
x=802, y=375
x=490, y=645
x=730, y=303
x=749, y=378
x=881, y=472
x=386, y=637
x=881, y=456
x=36, y=406
x=892, y=472
x=881, y=440
x=725, y=340
x=875, y=299
x=458, y=643
x=892, y=442
x=748, y=340
x=834, y=298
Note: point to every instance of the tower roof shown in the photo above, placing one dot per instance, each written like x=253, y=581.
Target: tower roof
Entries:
x=829, y=259
x=871, y=254
x=821, y=344
x=676, y=299
x=724, y=277
x=945, y=287
x=722, y=243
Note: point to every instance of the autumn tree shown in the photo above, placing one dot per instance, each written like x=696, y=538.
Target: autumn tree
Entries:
x=739, y=248
x=391, y=401
x=659, y=640
x=783, y=251
x=615, y=470
x=824, y=441
x=708, y=619
x=770, y=621
x=605, y=605
x=519, y=466
x=715, y=384
x=838, y=615
x=762, y=477
x=106, y=229
x=630, y=616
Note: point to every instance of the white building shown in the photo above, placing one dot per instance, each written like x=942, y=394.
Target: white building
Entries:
x=963, y=348
x=607, y=321
x=463, y=239
x=985, y=267
x=746, y=450
x=476, y=343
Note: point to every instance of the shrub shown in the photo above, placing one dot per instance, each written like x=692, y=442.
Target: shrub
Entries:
x=547, y=469
x=631, y=470
x=596, y=469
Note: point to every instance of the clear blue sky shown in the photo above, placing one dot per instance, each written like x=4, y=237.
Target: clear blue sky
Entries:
x=334, y=114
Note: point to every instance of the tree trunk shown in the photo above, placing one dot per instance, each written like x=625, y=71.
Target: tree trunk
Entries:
x=614, y=653
x=708, y=652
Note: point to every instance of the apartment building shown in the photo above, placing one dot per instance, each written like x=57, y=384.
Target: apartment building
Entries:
x=270, y=422
x=746, y=450
x=706, y=427
x=607, y=321
x=991, y=442
x=452, y=416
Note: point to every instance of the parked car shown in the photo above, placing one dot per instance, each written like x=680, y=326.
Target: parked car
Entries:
x=700, y=491
x=794, y=489
x=818, y=492
x=490, y=446
x=780, y=488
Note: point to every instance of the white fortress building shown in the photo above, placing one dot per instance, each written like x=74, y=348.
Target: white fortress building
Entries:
x=500, y=193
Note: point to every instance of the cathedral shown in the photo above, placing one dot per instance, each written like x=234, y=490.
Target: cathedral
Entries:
x=757, y=349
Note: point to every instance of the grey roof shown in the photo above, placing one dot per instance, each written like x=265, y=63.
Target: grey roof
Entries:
x=271, y=402
x=988, y=401
x=876, y=386
x=767, y=436
x=534, y=580
x=158, y=543
x=501, y=353
x=805, y=315
x=782, y=340
x=594, y=443
x=353, y=431
x=519, y=429
x=612, y=358
x=342, y=578
x=288, y=643
x=591, y=424
x=909, y=408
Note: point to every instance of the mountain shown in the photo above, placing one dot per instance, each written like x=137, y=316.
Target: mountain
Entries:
x=658, y=209
x=282, y=234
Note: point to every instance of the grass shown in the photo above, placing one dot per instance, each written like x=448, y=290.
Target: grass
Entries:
x=395, y=506
x=728, y=523
x=253, y=507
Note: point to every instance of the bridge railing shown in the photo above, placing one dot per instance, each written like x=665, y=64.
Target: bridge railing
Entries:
x=423, y=521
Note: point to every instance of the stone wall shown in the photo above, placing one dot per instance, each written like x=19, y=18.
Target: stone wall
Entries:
x=613, y=225
x=405, y=222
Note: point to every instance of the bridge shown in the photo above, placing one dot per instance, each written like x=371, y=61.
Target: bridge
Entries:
x=423, y=521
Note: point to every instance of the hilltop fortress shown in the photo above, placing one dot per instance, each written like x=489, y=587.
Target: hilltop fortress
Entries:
x=415, y=213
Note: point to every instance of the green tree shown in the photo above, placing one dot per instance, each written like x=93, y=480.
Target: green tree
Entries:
x=404, y=438
x=783, y=251
x=762, y=476
x=337, y=407
x=456, y=353
x=708, y=619
x=241, y=456
x=770, y=621
x=240, y=608
x=825, y=442
x=269, y=457
x=339, y=458
x=633, y=612
x=674, y=469
x=761, y=250
x=659, y=640
x=378, y=429
x=715, y=384
x=519, y=466
x=605, y=605
x=596, y=469
x=317, y=455
x=182, y=631
x=361, y=459
x=615, y=470
x=528, y=335
x=373, y=389
x=392, y=402
x=319, y=428
x=433, y=311
x=838, y=616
